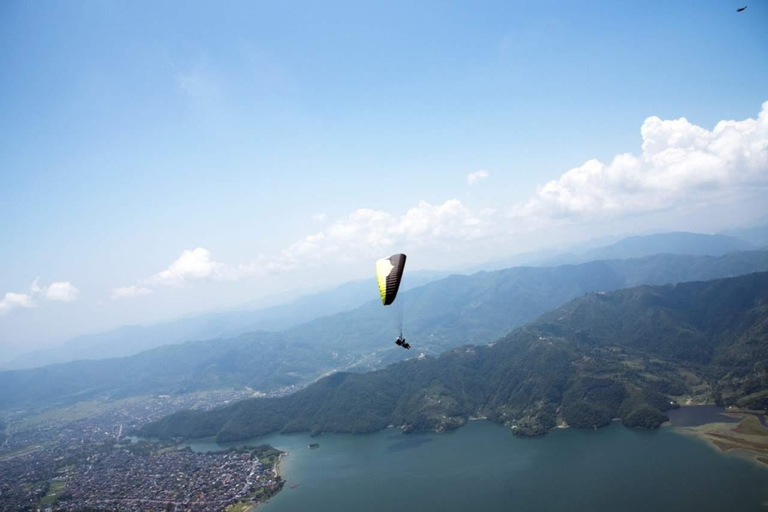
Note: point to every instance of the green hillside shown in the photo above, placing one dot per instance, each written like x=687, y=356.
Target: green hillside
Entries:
x=628, y=354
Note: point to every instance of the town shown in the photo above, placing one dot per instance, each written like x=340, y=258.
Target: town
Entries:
x=49, y=462
x=137, y=476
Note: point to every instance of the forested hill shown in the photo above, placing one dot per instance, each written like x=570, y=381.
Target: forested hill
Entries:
x=484, y=306
x=444, y=314
x=628, y=354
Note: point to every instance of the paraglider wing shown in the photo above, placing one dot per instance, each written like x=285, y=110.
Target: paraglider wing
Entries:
x=389, y=273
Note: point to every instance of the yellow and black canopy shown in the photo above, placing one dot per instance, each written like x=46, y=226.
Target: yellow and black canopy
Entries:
x=389, y=273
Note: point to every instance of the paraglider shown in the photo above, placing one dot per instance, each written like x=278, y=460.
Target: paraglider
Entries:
x=389, y=273
x=741, y=9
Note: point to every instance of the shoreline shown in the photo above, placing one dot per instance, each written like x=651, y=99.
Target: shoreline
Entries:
x=747, y=439
x=276, y=469
x=276, y=473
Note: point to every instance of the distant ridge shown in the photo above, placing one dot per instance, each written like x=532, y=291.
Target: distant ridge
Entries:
x=693, y=244
x=755, y=235
x=129, y=340
x=441, y=315
x=133, y=339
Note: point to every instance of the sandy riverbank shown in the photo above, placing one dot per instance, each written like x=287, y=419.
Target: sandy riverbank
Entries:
x=747, y=437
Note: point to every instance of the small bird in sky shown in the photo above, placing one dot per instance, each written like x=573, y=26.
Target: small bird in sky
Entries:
x=741, y=8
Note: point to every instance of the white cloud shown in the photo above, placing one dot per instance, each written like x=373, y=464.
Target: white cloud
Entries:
x=129, y=292
x=192, y=265
x=34, y=288
x=15, y=300
x=63, y=292
x=475, y=177
x=365, y=233
x=680, y=163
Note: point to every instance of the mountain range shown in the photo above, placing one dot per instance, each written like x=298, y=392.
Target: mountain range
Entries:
x=630, y=354
x=133, y=339
x=693, y=244
x=440, y=315
x=636, y=246
x=755, y=235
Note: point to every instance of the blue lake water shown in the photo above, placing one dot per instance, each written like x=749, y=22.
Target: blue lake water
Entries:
x=691, y=416
x=482, y=466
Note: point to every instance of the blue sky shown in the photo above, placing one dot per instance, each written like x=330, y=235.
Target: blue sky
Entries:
x=135, y=131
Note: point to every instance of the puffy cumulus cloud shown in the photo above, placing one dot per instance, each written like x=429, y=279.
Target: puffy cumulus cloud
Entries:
x=477, y=176
x=450, y=221
x=63, y=292
x=366, y=232
x=680, y=163
x=60, y=291
x=15, y=300
x=192, y=265
x=129, y=292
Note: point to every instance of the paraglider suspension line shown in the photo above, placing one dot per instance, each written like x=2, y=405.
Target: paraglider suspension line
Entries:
x=398, y=312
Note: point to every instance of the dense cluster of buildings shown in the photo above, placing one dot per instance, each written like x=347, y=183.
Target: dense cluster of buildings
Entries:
x=178, y=479
x=129, y=477
x=91, y=464
x=103, y=420
x=25, y=479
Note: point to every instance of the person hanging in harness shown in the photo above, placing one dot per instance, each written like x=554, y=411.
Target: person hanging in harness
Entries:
x=389, y=273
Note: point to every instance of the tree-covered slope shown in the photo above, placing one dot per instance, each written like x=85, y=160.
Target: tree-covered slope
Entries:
x=624, y=354
x=454, y=311
x=482, y=307
x=720, y=327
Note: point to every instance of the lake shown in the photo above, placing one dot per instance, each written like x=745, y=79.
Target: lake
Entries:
x=482, y=466
x=694, y=415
